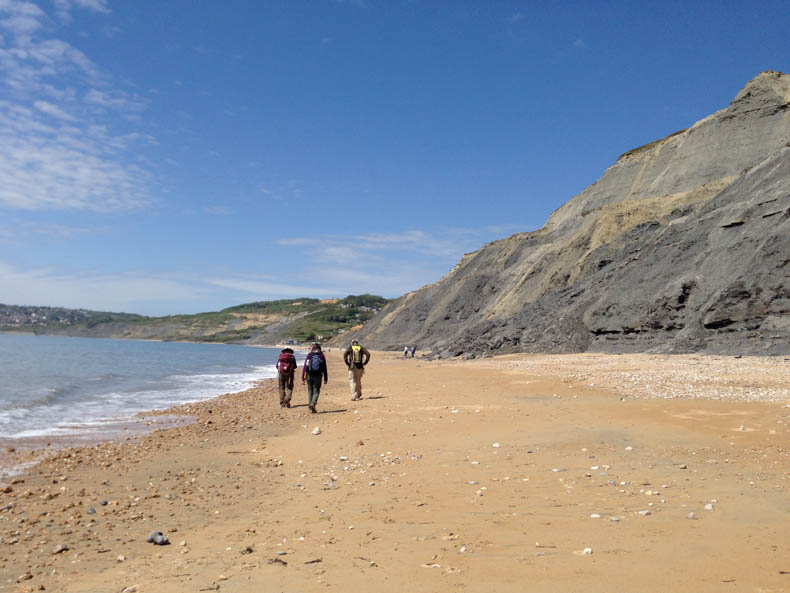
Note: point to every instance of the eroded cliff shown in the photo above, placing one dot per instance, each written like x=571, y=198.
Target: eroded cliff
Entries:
x=682, y=245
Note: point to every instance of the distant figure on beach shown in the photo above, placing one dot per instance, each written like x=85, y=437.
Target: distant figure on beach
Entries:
x=405, y=351
x=286, y=368
x=313, y=371
x=413, y=350
x=356, y=357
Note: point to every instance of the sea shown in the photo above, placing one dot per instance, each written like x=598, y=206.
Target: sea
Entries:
x=82, y=389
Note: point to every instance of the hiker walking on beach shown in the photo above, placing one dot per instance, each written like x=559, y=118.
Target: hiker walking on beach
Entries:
x=405, y=351
x=413, y=350
x=356, y=357
x=313, y=371
x=286, y=368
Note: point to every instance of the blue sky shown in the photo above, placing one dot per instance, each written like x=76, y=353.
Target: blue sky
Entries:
x=167, y=157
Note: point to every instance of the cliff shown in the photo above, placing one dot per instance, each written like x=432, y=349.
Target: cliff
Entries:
x=682, y=245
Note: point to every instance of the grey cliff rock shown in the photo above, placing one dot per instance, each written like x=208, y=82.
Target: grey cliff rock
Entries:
x=682, y=245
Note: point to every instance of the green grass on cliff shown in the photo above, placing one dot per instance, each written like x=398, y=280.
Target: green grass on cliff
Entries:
x=300, y=319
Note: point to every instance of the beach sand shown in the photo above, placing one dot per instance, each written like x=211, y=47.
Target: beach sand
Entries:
x=521, y=473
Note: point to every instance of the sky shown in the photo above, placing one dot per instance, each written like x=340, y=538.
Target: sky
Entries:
x=178, y=157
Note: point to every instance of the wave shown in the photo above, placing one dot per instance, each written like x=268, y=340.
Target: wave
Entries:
x=63, y=411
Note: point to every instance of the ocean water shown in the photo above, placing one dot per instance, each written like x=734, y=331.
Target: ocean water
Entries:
x=77, y=387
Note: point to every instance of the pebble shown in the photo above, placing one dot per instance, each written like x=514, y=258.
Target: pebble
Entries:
x=317, y=430
x=595, y=516
x=157, y=538
x=692, y=516
x=496, y=445
x=710, y=506
x=91, y=511
x=588, y=550
x=645, y=513
x=120, y=558
x=130, y=589
x=59, y=549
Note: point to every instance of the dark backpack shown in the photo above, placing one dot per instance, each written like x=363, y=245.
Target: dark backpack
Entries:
x=314, y=364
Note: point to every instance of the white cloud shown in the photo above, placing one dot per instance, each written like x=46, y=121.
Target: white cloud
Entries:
x=516, y=18
x=20, y=232
x=63, y=8
x=449, y=244
x=389, y=264
x=115, y=99
x=579, y=43
x=51, y=166
x=57, y=152
x=121, y=292
x=263, y=287
x=20, y=18
x=52, y=110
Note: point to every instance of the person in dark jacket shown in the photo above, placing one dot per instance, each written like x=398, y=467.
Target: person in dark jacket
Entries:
x=286, y=368
x=313, y=371
x=356, y=357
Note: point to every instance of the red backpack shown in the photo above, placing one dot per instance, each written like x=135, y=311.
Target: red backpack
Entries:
x=286, y=363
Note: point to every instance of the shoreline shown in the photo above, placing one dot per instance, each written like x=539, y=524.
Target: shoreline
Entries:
x=163, y=341
x=35, y=442
x=444, y=476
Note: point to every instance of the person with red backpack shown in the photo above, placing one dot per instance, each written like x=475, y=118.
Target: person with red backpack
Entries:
x=313, y=371
x=286, y=367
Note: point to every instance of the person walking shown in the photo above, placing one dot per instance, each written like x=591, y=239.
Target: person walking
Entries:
x=313, y=371
x=413, y=350
x=286, y=368
x=356, y=357
x=405, y=351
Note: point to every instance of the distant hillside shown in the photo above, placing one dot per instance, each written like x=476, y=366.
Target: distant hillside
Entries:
x=264, y=322
x=682, y=245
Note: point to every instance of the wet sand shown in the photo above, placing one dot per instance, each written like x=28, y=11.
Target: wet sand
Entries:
x=538, y=473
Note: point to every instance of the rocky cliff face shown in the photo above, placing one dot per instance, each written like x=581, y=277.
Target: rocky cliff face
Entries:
x=682, y=245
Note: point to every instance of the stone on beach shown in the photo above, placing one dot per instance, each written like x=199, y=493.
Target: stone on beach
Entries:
x=158, y=538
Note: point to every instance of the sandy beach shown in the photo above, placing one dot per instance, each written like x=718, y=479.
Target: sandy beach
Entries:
x=588, y=472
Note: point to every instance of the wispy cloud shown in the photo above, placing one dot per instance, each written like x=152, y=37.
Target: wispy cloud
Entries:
x=217, y=210
x=291, y=190
x=58, y=149
x=21, y=232
x=515, y=18
x=448, y=244
x=579, y=43
x=131, y=292
x=389, y=264
x=385, y=263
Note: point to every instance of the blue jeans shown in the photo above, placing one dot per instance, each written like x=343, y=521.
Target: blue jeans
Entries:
x=314, y=387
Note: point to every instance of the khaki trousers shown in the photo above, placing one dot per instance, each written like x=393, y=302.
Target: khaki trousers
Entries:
x=355, y=382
